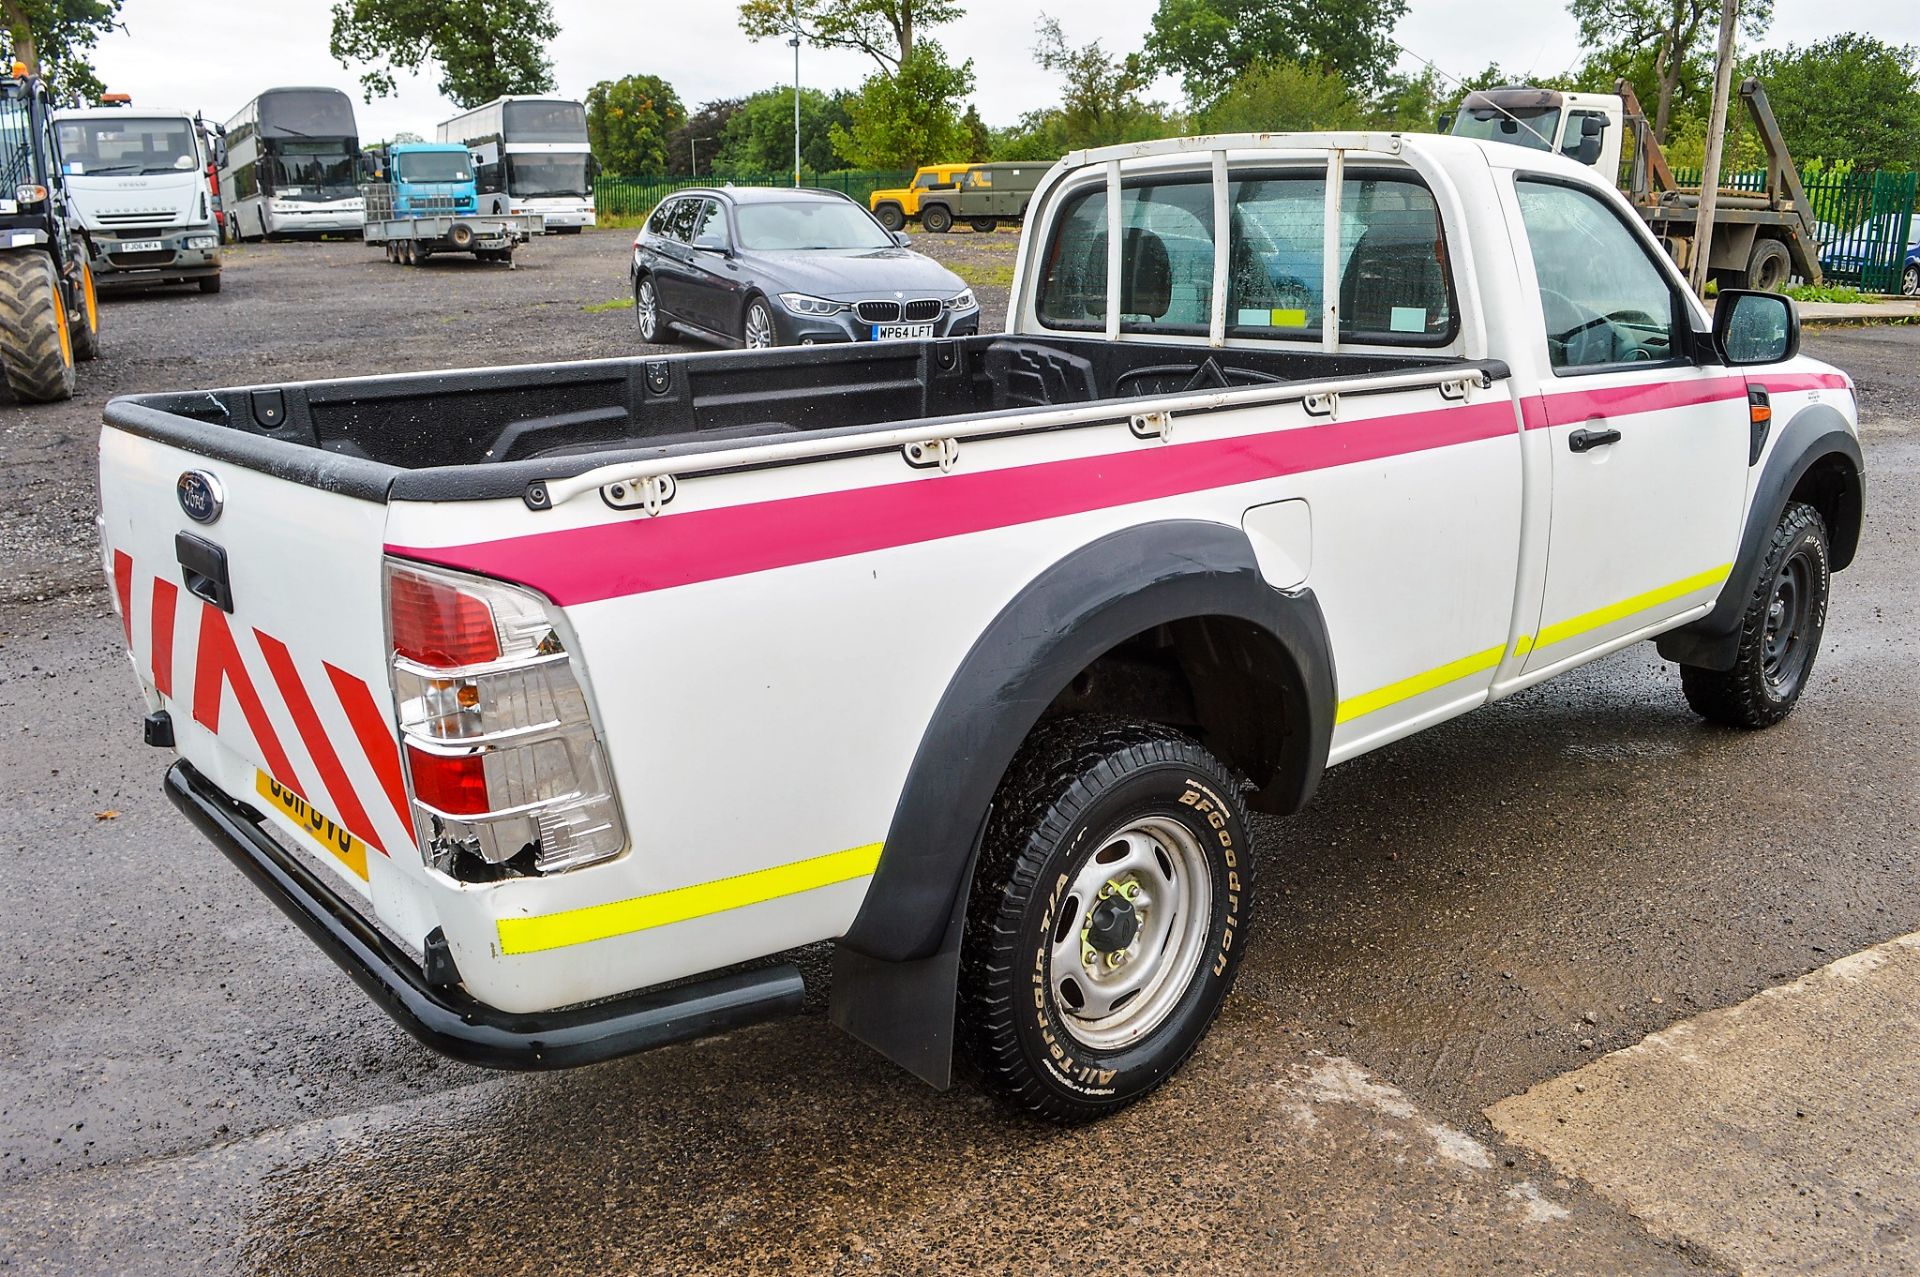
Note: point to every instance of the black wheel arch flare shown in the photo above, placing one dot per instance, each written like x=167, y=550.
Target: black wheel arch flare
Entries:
x=896, y=968
x=1817, y=457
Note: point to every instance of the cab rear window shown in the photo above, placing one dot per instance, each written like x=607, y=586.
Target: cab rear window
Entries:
x=1395, y=287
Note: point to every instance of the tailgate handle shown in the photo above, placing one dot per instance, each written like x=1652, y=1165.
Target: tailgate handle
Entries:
x=203, y=566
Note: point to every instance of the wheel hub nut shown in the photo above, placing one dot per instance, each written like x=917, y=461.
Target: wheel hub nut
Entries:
x=1112, y=924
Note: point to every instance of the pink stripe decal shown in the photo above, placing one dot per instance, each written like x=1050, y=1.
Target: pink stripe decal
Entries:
x=1571, y=407
x=1787, y=382
x=635, y=555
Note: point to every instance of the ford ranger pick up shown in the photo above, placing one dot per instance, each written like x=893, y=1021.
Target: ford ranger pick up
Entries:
x=562, y=705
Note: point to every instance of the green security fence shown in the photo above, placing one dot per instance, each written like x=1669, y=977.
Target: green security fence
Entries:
x=1864, y=221
x=636, y=196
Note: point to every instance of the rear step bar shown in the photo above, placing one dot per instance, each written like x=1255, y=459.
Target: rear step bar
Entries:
x=447, y=1019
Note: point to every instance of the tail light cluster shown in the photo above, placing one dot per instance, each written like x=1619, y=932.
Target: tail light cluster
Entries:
x=506, y=770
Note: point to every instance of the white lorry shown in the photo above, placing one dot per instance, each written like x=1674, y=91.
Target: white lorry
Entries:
x=558, y=703
x=139, y=182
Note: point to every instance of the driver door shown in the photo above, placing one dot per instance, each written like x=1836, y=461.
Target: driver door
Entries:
x=1648, y=450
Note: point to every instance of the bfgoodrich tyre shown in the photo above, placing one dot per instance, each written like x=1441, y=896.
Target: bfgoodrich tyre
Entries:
x=1779, y=632
x=1108, y=915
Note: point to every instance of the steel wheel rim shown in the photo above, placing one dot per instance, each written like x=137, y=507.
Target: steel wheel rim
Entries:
x=647, y=310
x=759, y=328
x=1156, y=865
x=1783, y=643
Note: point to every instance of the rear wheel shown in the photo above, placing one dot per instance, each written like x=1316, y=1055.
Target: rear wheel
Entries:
x=36, y=346
x=1910, y=281
x=984, y=225
x=1768, y=266
x=891, y=217
x=86, y=325
x=1107, y=916
x=936, y=218
x=647, y=315
x=1779, y=633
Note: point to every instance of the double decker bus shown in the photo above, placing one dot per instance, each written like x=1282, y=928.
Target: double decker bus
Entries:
x=290, y=165
x=530, y=155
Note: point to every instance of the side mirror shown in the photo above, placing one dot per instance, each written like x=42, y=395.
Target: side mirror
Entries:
x=1755, y=328
x=710, y=244
x=1592, y=125
x=900, y=238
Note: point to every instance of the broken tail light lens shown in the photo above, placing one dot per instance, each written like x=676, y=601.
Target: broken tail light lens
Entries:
x=505, y=766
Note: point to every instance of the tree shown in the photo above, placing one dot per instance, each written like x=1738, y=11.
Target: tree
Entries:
x=758, y=138
x=1850, y=96
x=1100, y=100
x=630, y=123
x=1210, y=43
x=911, y=117
x=884, y=30
x=1282, y=96
x=698, y=140
x=53, y=37
x=979, y=136
x=1667, y=44
x=484, y=48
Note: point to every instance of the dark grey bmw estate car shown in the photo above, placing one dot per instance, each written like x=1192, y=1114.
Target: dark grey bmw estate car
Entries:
x=781, y=267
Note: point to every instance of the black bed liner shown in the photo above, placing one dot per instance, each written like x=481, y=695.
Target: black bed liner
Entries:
x=488, y=433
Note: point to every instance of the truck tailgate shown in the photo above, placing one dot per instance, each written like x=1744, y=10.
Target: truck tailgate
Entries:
x=253, y=614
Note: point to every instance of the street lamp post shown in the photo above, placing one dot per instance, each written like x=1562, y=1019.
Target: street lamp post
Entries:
x=794, y=40
x=693, y=156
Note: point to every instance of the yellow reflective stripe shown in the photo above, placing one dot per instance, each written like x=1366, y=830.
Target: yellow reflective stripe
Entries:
x=1393, y=693
x=1560, y=631
x=622, y=917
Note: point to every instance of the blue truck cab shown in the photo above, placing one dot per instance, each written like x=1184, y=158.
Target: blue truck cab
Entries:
x=431, y=179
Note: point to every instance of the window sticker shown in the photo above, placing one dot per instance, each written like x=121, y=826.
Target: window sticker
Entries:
x=1261, y=317
x=1408, y=319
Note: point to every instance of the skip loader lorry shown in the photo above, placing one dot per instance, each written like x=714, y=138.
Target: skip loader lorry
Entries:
x=561, y=704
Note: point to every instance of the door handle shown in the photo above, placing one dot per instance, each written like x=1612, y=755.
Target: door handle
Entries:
x=1587, y=440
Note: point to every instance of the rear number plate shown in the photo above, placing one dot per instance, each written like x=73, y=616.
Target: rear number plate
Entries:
x=901, y=332
x=138, y=246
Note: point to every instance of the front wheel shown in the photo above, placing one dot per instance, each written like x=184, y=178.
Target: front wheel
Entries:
x=756, y=330
x=36, y=345
x=209, y=283
x=890, y=217
x=1108, y=915
x=936, y=218
x=1779, y=633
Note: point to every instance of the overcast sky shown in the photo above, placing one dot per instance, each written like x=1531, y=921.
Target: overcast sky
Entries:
x=213, y=55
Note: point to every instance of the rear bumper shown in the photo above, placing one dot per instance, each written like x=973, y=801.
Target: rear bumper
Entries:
x=447, y=1018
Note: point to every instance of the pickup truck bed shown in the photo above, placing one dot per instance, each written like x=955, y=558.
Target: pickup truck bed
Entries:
x=492, y=432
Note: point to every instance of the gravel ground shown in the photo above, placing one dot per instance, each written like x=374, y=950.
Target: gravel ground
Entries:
x=186, y=1082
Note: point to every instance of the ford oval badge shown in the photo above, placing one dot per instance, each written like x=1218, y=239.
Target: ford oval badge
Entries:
x=200, y=496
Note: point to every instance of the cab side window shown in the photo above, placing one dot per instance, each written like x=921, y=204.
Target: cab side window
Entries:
x=685, y=214
x=710, y=221
x=1605, y=302
x=1166, y=259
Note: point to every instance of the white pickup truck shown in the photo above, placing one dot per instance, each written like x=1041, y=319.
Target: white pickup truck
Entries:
x=560, y=704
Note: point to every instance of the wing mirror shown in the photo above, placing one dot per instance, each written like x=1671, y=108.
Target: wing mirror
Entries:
x=900, y=238
x=1755, y=328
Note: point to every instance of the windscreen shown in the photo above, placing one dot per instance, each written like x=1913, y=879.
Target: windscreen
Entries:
x=127, y=147
x=1532, y=126
x=313, y=171
x=799, y=224
x=306, y=113
x=433, y=166
x=547, y=176
x=546, y=122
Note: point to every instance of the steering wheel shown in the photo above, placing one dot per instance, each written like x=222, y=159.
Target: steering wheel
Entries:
x=1562, y=336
